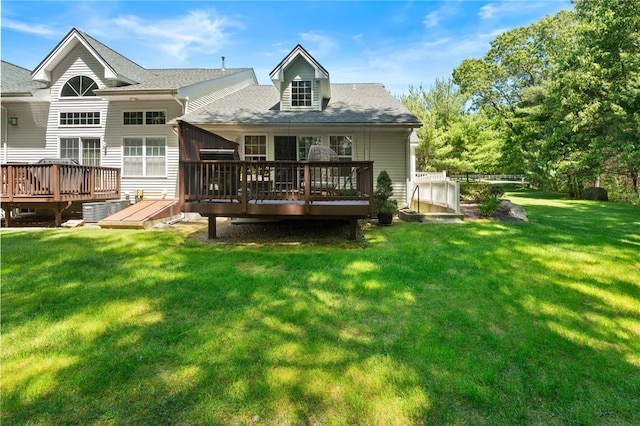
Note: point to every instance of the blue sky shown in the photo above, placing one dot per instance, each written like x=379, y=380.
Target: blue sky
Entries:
x=397, y=43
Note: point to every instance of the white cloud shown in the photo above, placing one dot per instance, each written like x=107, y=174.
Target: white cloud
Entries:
x=179, y=37
x=510, y=8
x=487, y=11
x=322, y=43
x=431, y=20
x=35, y=29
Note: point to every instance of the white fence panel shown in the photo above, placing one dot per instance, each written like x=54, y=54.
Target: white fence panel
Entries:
x=440, y=191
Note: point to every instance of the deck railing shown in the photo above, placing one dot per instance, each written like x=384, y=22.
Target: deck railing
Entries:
x=430, y=176
x=58, y=182
x=443, y=193
x=244, y=181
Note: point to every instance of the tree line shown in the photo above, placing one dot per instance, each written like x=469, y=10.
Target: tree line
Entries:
x=558, y=100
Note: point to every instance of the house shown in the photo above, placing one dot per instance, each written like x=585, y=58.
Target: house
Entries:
x=88, y=103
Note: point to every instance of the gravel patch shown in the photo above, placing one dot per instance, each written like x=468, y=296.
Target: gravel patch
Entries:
x=285, y=232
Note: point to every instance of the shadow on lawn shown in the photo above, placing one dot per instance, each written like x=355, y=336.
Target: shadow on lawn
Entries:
x=481, y=323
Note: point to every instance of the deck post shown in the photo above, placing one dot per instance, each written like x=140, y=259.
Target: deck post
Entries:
x=11, y=181
x=55, y=182
x=307, y=188
x=58, y=208
x=353, y=228
x=212, y=227
x=7, y=214
x=245, y=187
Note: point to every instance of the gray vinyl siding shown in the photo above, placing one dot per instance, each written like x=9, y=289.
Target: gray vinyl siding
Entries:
x=39, y=131
x=389, y=152
x=385, y=146
x=116, y=132
x=26, y=142
x=300, y=70
x=206, y=92
x=79, y=62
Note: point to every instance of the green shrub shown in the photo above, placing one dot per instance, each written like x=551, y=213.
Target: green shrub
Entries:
x=382, y=194
x=620, y=191
x=488, y=205
x=347, y=192
x=479, y=191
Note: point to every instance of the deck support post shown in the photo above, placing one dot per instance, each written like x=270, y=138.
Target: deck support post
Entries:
x=353, y=228
x=212, y=228
x=58, y=208
x=7, y=214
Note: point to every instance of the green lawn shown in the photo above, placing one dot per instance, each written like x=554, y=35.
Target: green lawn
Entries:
x=477, y=323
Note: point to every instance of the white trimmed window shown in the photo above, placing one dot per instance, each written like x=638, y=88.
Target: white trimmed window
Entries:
x=144, y=156
x=90, y=118
x=301, y=93
x=79, y=86
x=85, y=151
x=144, y=117
x=343, y=146
x=255, y=147
x=304, y=143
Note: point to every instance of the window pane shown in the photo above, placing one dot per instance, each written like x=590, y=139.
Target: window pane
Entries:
x=155, y=117
x=342, y=145
x=132, y=157
x=132, y=166
x=304, y=143
x=155, y=157
x=79, y=118
x=91, y=152
x=133, y=147
x=255, y=148
x=155, y=147
x=70, y=148
x=79, y=86
x=132, y=117
x=301, y=93
x=155, y=166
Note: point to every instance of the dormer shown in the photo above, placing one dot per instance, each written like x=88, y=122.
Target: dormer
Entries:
x=302, y=82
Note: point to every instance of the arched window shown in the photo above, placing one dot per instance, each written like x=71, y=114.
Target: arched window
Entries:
x=79, y=86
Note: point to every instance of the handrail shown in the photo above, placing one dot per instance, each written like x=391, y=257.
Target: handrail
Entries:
x=237, y=181
x=445, y=193
x=415, y=188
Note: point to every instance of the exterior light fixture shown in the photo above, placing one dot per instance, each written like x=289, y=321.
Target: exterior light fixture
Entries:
x=13, y=121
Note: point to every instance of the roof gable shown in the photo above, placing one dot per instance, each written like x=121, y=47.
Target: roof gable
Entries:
x=299, y=52
x=116, y=66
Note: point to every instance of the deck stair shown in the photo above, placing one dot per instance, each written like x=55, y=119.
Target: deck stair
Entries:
x=143, y=214
x=409, y=215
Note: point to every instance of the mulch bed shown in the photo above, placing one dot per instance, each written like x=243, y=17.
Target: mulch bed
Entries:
x=471, y=212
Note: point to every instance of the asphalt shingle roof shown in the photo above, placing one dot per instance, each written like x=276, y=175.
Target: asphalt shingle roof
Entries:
x=170, y=79
x=349, y=103
x=120, y=64
x=16, y=79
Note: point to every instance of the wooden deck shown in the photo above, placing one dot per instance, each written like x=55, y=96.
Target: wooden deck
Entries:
x=55, y=186
x=277, y=189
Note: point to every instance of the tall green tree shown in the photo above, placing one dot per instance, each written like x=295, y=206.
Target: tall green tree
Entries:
x=597, y=87
x=510, y=85
x=451, y=138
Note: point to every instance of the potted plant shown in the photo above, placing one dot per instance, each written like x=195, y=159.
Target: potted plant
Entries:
x=386, y=208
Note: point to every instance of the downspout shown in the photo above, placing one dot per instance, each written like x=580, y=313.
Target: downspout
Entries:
x=183, y=102
x=412, y=143
x=5, y=136
x=179, y=188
